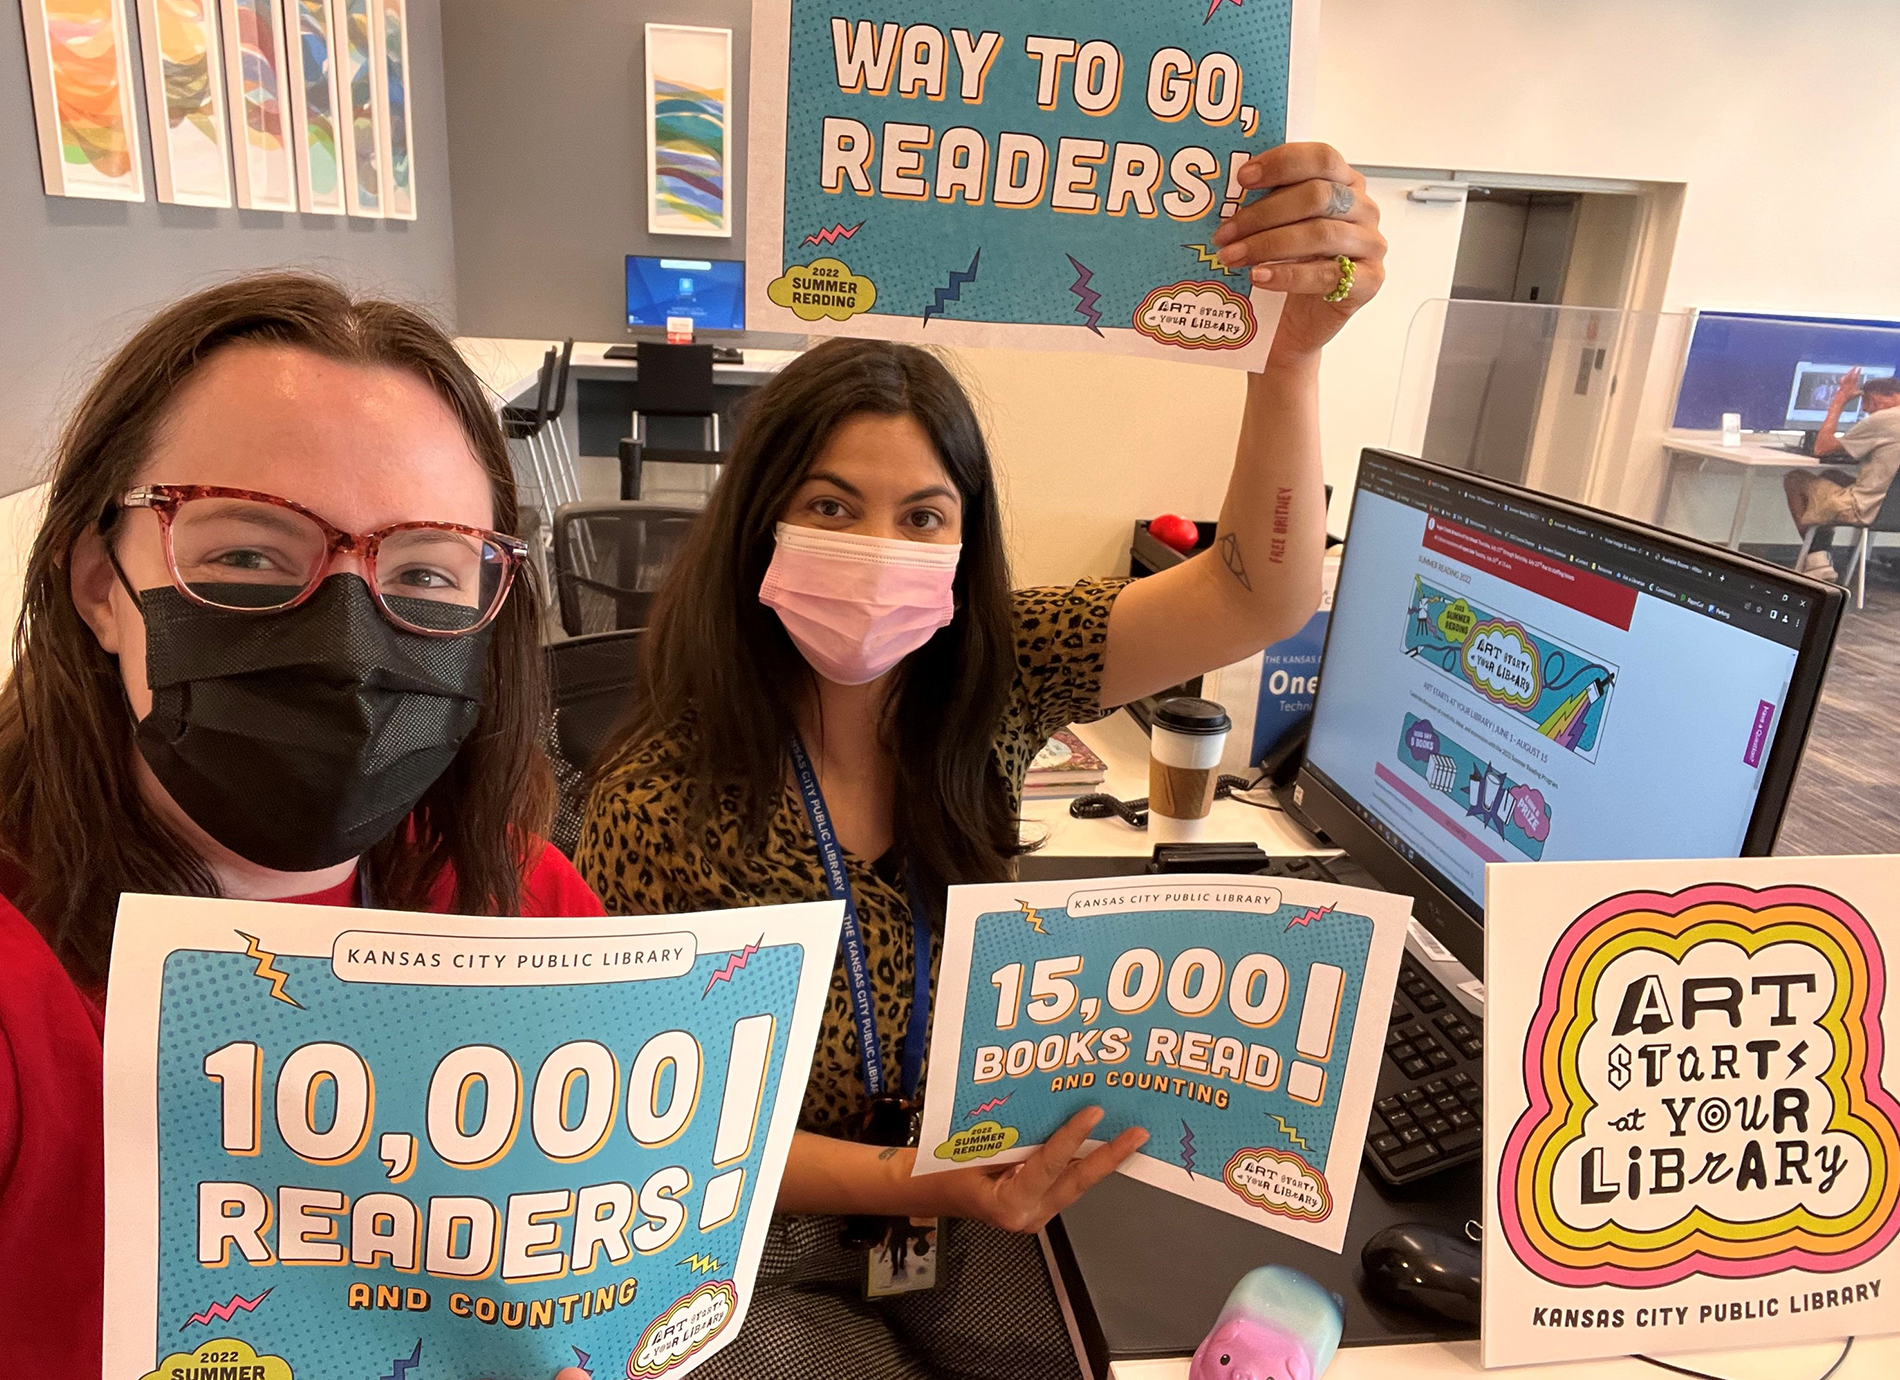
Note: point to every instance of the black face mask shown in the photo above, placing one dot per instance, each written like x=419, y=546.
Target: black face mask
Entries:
x=300, y=739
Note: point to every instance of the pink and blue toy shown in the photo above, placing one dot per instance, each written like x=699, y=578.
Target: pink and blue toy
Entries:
x=1278, y=1324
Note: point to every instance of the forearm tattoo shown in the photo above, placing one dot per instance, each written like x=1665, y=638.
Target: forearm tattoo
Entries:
x=1340, y=205
x=1282, y=515
x=887, y=1154
x=1229, y=549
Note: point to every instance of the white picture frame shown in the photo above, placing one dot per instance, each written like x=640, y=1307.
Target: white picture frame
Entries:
x=316, y=104
x=689, y=183
x=265, y=168
x=185, y=102
x=83, y=107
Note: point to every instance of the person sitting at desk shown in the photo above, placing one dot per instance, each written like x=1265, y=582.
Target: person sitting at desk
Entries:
x=1822, y=498
x=842, y=696
x=269, y=651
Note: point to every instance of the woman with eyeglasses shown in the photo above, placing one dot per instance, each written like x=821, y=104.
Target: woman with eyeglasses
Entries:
x=274, y=646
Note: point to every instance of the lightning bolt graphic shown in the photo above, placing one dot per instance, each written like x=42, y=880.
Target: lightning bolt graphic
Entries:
x=1031, y=918
x=1086, y=296
x=1208, y=256
x=399, y=1368
x=1312, y=914
x=734, y=962
x=1290, y=1133
x=952, y=292
x=1797, y=1057
x=1187, y=1148
x=834, y=234
x=581, y=1359
x=989, y=1106
x=223, y=1311
x=267, y=969
x=1214, y=5
x=700, y=1264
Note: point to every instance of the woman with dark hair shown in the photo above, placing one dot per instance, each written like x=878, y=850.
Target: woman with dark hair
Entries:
x=841, y=696
x=272, y=647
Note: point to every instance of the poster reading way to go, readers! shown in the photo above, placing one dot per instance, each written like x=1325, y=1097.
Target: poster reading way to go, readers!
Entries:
x=1017, y=172
x=374, y=1143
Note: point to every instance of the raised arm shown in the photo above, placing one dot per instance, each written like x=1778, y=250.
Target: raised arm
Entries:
x=1261, y=580
x=1827, y=441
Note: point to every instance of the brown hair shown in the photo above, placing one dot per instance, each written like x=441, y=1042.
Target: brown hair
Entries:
x=73, y=817
x=717, y=656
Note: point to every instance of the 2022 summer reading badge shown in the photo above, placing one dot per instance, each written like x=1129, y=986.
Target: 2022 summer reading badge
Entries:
x=1017, y=172
x=1240, y=1021
x=363, y=1143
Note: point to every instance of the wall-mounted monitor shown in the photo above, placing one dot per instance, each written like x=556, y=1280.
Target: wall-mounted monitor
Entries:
x=709, y=291
x=1750, y=363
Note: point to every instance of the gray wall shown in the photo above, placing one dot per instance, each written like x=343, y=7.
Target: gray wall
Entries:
x=76, y=277
x=548, y=101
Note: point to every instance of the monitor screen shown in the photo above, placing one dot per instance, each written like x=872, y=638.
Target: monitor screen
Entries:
x=1508, y=678
x=710, y=291
x=1814, y=388
x=1742, y=362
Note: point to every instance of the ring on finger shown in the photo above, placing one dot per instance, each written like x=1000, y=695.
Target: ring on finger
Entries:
x=1343, y=289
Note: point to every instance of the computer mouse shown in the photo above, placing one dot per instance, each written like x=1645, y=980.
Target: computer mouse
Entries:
x=1422, y=1270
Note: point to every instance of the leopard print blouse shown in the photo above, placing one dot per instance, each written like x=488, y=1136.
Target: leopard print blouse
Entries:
x=638, y=853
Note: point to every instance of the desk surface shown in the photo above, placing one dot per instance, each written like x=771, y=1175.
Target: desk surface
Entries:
x=509, y=368
x=1123, y=745
x=1754, y=449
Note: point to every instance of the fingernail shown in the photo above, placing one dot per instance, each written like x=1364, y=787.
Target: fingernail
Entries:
x=1223, y=233
x=1233, y=253
x=1250, y=175
x=1262, y=276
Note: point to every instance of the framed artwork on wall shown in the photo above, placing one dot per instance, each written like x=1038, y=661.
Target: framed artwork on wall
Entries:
x=260, y=115
x=315, y=104
x=79, y=59
x=184, y=101
x=689, y=127
x=359, y=48
x=397, y=126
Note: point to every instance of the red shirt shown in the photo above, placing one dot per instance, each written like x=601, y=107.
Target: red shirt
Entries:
x=52, y=1164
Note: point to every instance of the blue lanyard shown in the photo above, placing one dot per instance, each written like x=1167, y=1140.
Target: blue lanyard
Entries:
x=857, y=968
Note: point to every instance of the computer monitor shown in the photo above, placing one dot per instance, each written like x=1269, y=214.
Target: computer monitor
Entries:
x=710, y=291
x=1815, y=386
x=1511, y=677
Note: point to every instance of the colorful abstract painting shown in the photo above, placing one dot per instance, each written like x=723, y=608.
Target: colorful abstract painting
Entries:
x=689, y=148
x=255, y=86
x=311, y=77
x=392, y=110
x=359, y=45
x=184, y=101
x=79, y=58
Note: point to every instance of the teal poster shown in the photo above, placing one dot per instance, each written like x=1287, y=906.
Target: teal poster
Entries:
x=1239, y=1021
x=371, y=1143
x=1016, y=172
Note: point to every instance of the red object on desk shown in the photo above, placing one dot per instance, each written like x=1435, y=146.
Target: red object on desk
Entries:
x=1171, y=529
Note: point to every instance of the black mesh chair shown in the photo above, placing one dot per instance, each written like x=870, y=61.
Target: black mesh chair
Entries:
x=674, y=381
x=592, y=684
x=1886, y=520
x=609, y=559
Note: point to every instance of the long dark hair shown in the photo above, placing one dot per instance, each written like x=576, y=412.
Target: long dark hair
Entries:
x=715, y=656
x=72, y=817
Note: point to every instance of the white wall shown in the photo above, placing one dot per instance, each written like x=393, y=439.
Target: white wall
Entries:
x=1782, y=119
x=19, y=520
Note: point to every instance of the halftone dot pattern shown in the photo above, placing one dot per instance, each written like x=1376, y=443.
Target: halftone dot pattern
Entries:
x=1005, y=937
x=1024, y=275
x=211, y=999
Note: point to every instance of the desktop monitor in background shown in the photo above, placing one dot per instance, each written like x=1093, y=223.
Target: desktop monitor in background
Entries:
x=1815, y=386
x=710, y=291
x=1510, y=677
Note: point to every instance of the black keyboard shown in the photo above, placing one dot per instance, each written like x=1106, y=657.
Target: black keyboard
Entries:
x=722, y=354
x=1428, y=1113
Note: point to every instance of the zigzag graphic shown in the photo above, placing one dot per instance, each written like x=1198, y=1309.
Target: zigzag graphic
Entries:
x=1187, y=1148
x=1214, y=5
x=1086, y=296
x=1031, y=918
x=989, y=1106
x=581, y=1360
x=700, y=1264
x=1312, y=913
x=266, y=968
x=834, y=234
x=734, y=962
x=399, y=1368
x=1290, y=1133
x=222, y=1311
x=953, y=291
x=1208, y=256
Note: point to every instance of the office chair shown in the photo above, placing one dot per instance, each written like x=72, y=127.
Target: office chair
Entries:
x=676, y=381
x=1886, y=520
x=592, y=683
x=609, y=559
x=525, y=424
x=634, y=456
x=567, y=474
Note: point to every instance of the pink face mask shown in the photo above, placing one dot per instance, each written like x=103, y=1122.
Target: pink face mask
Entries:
x=856, y=606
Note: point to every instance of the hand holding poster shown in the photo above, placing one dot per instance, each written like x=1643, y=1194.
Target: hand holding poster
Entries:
x=1691, y=1131
x=1017, y=172
x=513, y=1144
x=1241, y=1022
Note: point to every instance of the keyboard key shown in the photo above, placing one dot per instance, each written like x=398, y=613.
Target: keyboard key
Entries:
x=1425, y=1044
x=1459, y=1141
x=1385, y=1145
x=1385, y=1106
x=1471, y=1093
x=1418, y=1068
x=1446, y=1101
x=1412, y=1097
x=1473, y=1048
x=1429, y=1001
x=1411, y=1135
x=1400, y=1013
x=1400, y=1121
x=1412, y=1158
x=1439, y=1062
x=1460, y=1119
x=1437, y=1088
x=1403, y=1050
x=1437, y=1126
x=1461, y=1080
x=1411, y=1031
